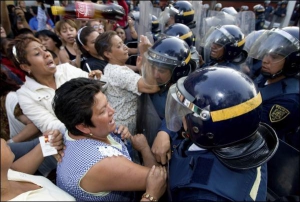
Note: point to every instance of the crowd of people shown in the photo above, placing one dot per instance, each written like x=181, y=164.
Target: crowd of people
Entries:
x=191, y=107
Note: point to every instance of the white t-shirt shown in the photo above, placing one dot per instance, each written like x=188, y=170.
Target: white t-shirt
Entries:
x=47, y=192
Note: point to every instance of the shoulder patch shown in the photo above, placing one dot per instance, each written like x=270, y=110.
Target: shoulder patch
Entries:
x=278, y=113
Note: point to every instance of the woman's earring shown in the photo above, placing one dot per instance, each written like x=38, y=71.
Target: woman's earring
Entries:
x=91, y=134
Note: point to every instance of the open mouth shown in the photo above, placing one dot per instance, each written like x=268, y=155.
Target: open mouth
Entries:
x=51, y=64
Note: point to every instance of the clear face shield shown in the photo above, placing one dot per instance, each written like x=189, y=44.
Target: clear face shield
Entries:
x=179, y=104
x=157, y=69
x=276, y=44
x=214, y=42
x=167, y=17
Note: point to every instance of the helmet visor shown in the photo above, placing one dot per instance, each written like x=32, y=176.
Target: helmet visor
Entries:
x=219, y=37
x=157, y=69
x=175, y=110
x=277, y=44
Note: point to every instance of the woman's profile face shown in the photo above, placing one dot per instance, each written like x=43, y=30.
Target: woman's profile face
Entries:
x=103, y=117
x=119, y=51
x=48, y=42
x=90, y=43
x=272, y=63
x=41, y=61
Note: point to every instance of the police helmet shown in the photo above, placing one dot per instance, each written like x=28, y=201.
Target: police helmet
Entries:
x=229, y=10
x=220, y=109
x=154, y=24
x=218, y=5
x=182, y=31
x=170, y=56
x=185, y=14
x=283, y=3
x=279, y=44
x=267, y=2
x=259, y=9
x=244, y=8
x=230, y=37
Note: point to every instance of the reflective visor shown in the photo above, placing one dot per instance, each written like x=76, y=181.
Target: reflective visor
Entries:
x=157, y=68
x=274, y=42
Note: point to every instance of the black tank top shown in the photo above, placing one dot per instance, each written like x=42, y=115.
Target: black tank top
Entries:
x=71, y=56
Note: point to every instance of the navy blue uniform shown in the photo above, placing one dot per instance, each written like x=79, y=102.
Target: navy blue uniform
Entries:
x=200, y=176
x=260, y=21
x=281, y=109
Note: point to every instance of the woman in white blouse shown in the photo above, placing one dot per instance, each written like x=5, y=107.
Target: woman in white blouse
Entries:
x=43, y=77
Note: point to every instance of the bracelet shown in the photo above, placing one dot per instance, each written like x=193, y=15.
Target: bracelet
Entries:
x=148, y=196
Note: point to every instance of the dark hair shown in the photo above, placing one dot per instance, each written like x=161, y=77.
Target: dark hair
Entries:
x=24, y=31
x=50, y=34
x=103, y=43
x=34, y=9
x=4, y=42
x=8, y=83
x=73, y=102
x=10, y=8
x=42, y=3
x=83, y=35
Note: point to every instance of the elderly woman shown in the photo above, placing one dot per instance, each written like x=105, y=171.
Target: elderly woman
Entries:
x=18, y=182
x=124, y=85
x=43, y=77
x=96, y=164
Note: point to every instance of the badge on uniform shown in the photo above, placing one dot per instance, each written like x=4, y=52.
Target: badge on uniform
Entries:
x=278, y=113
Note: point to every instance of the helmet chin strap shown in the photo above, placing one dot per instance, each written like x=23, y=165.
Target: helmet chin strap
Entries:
x=272, y=76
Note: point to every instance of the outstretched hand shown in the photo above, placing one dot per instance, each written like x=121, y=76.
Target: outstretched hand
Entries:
x=144, y=44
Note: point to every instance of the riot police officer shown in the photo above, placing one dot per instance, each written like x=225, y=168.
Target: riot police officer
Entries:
x=179, y=12
x=164, y=63
x=278, y=82
x=184, y=32
x=218, y=7
x=224, y=47
x=226, y=148
x=259, y=16
x=251, y=66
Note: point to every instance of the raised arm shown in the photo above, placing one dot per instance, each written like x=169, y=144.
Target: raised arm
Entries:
x=143, y=87
x=4, y=17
